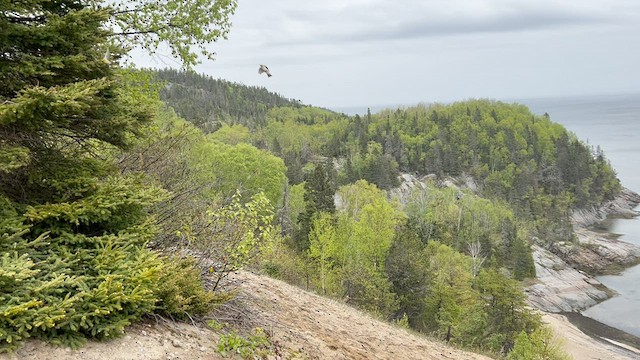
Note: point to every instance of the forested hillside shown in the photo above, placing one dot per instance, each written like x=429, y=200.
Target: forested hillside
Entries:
x=447, y=260
x=527, y=160
x=210, y=102
x=114, y=207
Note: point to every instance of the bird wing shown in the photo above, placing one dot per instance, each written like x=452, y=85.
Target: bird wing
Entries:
x=264, y=69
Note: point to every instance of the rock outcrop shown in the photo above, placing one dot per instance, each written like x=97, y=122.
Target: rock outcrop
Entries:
x=410, y=182
x=621, y=206
x=563, y=275
x=560, y=287
x=597, y=252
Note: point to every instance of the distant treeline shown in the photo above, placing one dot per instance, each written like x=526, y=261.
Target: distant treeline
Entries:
x=447, y=261
x=209, y=102
x=542, y=170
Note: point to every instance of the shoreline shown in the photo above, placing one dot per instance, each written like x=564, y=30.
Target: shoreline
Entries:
x=585, y=339
x=603, y=332
x=568, y=284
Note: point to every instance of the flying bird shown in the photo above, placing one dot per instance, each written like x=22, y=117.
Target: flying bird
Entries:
x=264, y=69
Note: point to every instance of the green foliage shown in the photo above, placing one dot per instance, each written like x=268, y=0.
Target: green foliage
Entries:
x=209, y=102
x=541, y=344
x=13, y=158
x=73, y=232
x=450, y=293
x=462, y=219
x=256, y=345
x=319, y=189
x=76, y=230
x=523, y=264
x=72, y=286
x=61, y=104
x=57, y=46
x=283, y=261
x=408, y=274
x=364, y=232
x=228, y=237
x=375, y=166
x=180, y=24
x=506, y=309
x=403, y=322
x=292, y=209
x=232, y=134
x=182, y=292
x=115, y=203
x=242, y=168
x=322, y=239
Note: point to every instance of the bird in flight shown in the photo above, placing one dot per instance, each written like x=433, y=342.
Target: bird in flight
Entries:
x=264, y=69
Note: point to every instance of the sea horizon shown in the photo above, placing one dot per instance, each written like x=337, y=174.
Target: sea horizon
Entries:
x=565, y=100
x=611, y=122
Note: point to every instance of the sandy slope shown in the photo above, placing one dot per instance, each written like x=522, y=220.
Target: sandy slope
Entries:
x=321, y=328
x=307, y=326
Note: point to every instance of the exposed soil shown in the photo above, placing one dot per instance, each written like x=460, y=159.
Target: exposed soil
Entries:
x=149, y=340
x=320, y=328
x=305, y=325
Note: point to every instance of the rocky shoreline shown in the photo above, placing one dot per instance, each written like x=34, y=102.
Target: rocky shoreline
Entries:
x=565, y=277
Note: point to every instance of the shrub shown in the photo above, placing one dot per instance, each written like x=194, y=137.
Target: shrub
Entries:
x=256, y=345
x=182, y=292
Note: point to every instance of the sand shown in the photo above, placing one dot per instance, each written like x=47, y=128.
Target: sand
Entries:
x=306, y=326
x=584, y=347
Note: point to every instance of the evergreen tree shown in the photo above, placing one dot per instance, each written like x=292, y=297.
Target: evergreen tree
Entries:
x=59, y=95
x=318, y=197
x=72, y=230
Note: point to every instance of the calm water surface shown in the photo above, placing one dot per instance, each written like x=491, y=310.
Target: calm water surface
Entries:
x=613, y=123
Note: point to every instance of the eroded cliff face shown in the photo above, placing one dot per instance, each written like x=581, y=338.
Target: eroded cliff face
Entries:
x=565, y=272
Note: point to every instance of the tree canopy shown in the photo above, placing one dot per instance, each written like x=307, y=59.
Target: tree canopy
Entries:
x=74, y=228
x=186, y=26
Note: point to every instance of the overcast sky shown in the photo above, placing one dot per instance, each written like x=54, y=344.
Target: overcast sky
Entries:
x=337, y=53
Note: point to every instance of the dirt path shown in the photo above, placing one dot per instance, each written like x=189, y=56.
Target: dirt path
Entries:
x=145, y=341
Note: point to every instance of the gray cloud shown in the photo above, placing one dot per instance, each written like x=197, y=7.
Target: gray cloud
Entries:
x=509, y=23
x=384, y=20
x=331, y=52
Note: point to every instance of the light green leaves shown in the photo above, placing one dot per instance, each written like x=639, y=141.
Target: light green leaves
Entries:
x=186, y=26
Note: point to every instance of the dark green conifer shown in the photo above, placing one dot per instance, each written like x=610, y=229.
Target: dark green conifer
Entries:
x=72, y=232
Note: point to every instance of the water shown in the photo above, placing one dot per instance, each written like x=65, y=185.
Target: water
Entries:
x=613, y=123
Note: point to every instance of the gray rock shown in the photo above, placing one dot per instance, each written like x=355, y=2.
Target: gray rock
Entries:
x=561, y=288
